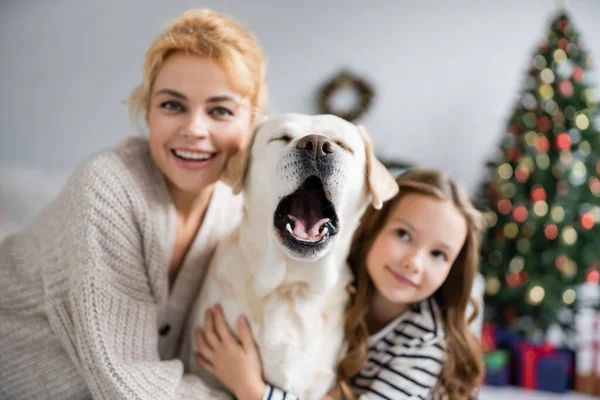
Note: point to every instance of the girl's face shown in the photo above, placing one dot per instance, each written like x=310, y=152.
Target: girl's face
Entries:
x=195, y=120
x=412, y=255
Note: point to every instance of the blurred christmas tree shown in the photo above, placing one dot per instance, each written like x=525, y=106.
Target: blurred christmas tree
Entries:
x=542, y=194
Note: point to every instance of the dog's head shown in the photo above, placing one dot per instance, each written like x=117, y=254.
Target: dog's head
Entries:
x=307, y=176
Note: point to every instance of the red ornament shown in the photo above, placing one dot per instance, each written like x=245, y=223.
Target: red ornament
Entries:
x=514, y=129
x=551, y=231
x=488, y=337
x=561, y=263
x=538, y=194
x=544, y=124
x=563, y=44
x=587, y=221
x=565, y=88
x=522, y=174
x=563, y=141
x=520, y=214
x=504, y=206
x=577, y=74
x=513, y=279
x=593, y=277
x=542, y=144
x=513, y=154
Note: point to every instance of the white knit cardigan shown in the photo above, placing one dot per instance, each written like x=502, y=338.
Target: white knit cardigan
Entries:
x=85, y=305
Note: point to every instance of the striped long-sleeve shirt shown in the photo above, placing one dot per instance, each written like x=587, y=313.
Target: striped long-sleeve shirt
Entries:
x=405, y=358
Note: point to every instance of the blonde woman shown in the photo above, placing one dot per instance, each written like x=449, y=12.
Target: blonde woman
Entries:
x=93, y=294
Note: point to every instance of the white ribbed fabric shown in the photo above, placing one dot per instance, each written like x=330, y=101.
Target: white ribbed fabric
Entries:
x=84, y=290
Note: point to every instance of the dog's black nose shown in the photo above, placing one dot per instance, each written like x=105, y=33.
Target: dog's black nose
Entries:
x=317, y=146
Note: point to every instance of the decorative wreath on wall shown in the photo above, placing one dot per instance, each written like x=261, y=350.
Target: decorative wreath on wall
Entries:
x=361, y=89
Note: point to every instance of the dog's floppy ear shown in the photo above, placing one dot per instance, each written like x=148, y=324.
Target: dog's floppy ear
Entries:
x=382, y=184
x=236, y=169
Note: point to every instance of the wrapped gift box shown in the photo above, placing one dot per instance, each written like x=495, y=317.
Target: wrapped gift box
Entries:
x=544, y=367
x=497, y=372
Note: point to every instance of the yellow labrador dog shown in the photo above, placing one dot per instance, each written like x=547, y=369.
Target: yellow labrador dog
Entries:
x=306, y=182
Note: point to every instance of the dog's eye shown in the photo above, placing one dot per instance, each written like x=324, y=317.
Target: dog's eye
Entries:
x=285, y=138
x=343, y=146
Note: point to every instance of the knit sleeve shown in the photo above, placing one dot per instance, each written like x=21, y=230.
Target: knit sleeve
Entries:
x=111, y=313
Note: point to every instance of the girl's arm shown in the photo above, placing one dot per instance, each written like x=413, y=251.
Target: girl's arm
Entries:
x=107, y=320
x=236, y=363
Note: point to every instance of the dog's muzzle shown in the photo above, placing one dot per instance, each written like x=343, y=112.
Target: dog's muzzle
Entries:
x=315, y=146
x=306, y=218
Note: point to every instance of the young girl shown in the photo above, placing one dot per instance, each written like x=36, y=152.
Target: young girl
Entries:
x=407, y=328
x=94, y=294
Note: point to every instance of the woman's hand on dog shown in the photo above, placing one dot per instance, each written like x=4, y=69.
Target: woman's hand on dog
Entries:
x=236, y=363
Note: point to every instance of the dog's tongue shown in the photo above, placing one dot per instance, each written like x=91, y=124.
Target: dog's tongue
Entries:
x=306, y=213
x=312, y=233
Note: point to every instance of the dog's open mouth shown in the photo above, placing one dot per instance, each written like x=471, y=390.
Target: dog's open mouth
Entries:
x=306, y=215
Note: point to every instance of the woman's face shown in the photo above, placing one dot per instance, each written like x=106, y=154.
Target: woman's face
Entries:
x=196, y=121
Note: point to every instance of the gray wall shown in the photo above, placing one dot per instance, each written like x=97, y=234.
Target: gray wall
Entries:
x=446, y=72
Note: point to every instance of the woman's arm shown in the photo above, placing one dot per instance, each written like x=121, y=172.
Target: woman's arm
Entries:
x=110, y=320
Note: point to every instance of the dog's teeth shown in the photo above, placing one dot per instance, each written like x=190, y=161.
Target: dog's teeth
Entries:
x=324, y=231
x=289, y=228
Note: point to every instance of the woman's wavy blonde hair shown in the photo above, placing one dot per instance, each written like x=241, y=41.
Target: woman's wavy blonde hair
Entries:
x=462, y=372
x=206, y=33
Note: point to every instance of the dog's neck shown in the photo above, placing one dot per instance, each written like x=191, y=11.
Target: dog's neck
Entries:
x=258, y=241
